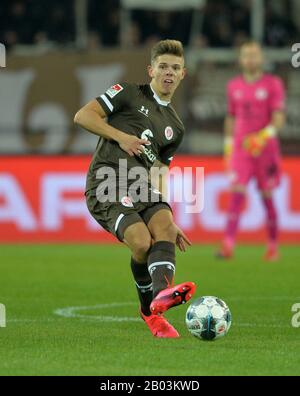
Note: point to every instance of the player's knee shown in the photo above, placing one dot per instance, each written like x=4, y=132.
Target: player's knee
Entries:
x=140, y=246
x=238, y=188
x=166, y=232
x=265, y=194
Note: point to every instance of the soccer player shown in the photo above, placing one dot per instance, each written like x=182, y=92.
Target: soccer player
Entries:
x=256, y=102
x=140, y=130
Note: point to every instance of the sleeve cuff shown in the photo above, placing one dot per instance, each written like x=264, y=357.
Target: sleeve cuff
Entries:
x=105, y=103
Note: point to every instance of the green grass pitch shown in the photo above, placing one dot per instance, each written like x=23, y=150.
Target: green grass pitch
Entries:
x=101, y=334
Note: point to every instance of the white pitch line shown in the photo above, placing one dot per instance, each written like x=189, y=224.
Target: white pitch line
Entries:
x=71, y=312
x=75, y=312
x=132, y=319
x=27, y=320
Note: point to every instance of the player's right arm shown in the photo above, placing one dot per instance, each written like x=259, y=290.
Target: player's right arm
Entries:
x=92, y=118
x=229, y=127
x=228, y=134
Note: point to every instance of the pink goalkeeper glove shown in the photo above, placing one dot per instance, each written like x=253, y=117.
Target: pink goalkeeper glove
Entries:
x=255, y=142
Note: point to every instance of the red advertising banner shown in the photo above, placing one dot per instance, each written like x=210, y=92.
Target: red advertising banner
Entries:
x=42, y=200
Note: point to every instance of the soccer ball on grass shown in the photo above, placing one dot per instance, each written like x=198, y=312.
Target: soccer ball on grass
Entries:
x=208, y=318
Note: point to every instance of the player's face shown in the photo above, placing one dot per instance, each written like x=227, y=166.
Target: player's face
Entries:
x=166, y=72
x=251, y=59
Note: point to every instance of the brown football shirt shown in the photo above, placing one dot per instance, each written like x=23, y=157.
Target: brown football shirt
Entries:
x=136, y=110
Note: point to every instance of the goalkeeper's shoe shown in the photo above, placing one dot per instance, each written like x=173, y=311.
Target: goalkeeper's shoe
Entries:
x=159, y=326
x=225, y=252
x=172, y=296
x=271, y=254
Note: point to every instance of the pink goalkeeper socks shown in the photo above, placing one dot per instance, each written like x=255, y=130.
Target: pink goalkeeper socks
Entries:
x=234, y=210
x=271, y=221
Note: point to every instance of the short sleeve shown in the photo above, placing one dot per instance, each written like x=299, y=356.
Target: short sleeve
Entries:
x=277, y=98
x=167, y=153
x=116, y=98
x=230, y=101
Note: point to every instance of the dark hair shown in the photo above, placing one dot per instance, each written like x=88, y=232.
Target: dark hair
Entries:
x=172, y=47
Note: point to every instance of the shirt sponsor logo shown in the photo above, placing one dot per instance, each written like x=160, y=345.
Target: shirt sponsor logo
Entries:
x=147, y=151
x=126, y=201
x=169, y=133
x=149, y=154
x=114, y=90
x=146, y=135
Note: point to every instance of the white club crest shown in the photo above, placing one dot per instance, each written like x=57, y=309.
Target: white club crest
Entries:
x=126, y=201
x=169, y=133
x=261, y=94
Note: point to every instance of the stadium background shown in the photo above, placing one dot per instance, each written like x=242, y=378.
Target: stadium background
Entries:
x=61, y=54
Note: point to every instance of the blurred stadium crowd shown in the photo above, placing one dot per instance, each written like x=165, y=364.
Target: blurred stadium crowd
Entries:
x=79, y=45
x=225, y=24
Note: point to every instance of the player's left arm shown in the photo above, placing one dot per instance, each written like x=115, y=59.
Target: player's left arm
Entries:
x=277, y=109
x=277, y=123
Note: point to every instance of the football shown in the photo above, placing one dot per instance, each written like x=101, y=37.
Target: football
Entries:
x=208, y=318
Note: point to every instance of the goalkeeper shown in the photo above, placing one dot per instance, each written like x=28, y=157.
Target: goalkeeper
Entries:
x=256, y=103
